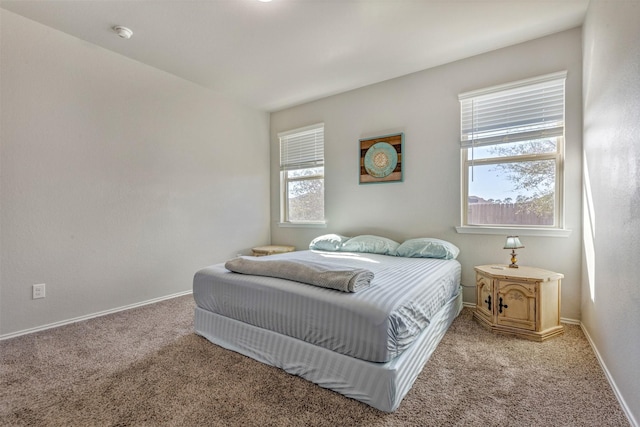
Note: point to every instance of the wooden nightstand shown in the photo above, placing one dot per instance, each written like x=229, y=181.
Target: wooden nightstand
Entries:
x=521, y=301
x=271, y=249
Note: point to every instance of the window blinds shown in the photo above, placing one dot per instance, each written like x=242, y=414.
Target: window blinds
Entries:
x=520, y=111
x=302, y=148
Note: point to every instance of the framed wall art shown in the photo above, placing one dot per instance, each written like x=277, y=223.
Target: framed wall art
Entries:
x=381, y=159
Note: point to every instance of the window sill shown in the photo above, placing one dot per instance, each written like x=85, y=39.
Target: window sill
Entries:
x=514, y=231
x=302, y=224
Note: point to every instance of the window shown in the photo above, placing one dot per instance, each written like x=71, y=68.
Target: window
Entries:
x=302, y=175
x=512, y=144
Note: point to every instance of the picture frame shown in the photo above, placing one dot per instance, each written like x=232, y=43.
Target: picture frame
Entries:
x=381, y=159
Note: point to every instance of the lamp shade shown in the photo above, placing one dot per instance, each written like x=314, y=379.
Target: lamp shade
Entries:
x=513, y=242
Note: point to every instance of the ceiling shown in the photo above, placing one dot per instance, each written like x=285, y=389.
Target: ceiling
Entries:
x=287, y=52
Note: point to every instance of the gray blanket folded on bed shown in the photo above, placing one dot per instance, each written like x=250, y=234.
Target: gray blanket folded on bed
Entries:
x=341, y=278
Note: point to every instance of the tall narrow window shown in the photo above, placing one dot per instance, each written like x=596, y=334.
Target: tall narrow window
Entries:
x=512, y=144
x=302, y=175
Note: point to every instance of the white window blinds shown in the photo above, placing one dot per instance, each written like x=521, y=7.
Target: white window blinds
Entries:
x=302, y=148
x=520, y=111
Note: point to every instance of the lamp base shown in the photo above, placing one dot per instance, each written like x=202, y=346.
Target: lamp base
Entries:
x=514, y=260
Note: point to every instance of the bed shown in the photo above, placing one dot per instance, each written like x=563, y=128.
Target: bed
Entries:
x=368, y=345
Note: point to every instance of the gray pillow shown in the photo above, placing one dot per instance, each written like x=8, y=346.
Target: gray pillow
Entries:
x=427, y=247
x=370, y=244
x=328, y=242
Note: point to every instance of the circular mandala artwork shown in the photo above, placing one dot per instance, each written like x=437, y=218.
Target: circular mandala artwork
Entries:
x=380, y=159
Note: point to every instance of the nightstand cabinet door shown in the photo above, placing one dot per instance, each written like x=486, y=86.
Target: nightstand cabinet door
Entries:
x=484, y=290
x=516, y=305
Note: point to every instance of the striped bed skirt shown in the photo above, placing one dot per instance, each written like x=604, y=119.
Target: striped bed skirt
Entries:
x=380, y=385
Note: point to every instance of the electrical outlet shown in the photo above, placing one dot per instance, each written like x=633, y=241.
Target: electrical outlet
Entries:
x=38, y=291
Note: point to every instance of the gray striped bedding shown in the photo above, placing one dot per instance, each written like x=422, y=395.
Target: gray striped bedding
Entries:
x=376, y=324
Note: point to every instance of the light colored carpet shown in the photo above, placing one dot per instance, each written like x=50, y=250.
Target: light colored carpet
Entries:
x=146, y=367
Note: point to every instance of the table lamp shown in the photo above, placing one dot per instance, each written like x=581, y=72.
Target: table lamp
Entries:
x=513, y=243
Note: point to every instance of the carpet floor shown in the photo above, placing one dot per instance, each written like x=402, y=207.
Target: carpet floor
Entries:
x=146, y=367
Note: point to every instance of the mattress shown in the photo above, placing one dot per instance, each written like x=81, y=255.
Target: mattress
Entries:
x=376, y=324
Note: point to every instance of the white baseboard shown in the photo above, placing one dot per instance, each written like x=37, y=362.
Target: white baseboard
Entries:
x=91, y=316
x=612, y=383
x=569, y=321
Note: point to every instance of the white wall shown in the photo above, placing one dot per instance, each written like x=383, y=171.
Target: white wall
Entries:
x=425, y=107
x=118, y=180
x=611, y=284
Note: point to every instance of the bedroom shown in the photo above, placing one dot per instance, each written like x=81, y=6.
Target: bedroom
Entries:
x=80, y=199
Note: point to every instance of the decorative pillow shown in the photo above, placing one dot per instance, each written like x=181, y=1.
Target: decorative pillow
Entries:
x=328, y=242
x=371, y=245
x=426, y=247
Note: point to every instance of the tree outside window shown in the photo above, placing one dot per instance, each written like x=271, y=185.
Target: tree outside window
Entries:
x=514, y=185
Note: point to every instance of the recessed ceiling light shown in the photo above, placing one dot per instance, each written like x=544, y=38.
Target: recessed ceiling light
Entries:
x=123, y=32
x=265, y=1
